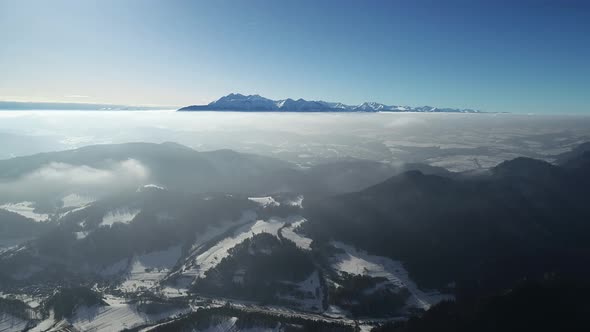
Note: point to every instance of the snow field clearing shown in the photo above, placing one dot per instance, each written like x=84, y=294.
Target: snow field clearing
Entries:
x=296, y=202
x=212, y=256
x=265, y=201
x=76, y=201
x=120, y=215
x=358, y=262
x=115, y=317
x=25, y=209
x=289, y=233
x=148, y=269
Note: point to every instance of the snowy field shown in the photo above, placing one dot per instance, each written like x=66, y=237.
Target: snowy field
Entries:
x=25, y=209
x=212, y=256
x=115, y=317
x=265, y=201
x=212, y=233
x=290, y=233
x=149, y=269
x=76, y=201
x=358, y=262
x=120, y=215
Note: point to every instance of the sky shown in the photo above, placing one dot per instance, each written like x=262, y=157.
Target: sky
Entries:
x=498, y=56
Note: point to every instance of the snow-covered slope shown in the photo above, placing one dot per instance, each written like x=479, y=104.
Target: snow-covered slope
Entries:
x=25, y=209
x=76, y=201
x=212, y=256
x=115, y=317
x=265, y=201
x=120, y=215
x=290, y=233
x=358, y=262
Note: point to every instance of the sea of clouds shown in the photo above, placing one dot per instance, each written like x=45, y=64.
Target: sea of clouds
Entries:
x=455, y=141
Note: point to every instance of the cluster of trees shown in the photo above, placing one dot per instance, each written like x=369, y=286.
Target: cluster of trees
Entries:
x=363, y=296
x=205, y=318
x=546, y=305
x=17, y=308
x=265, y=266
x=66, y=300
x=15, y=226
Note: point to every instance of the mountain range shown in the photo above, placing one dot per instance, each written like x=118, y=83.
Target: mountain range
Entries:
x=255, y=103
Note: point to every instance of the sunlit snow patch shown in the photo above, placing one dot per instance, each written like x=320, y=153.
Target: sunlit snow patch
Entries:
x=289, y=233
x=265, y=201
x=212, y=256
x=150, y=186
x=46, y=324
x=189, y=270
x=116, y=316
x=213, y=231
x=360, y=263
x=298, y=201
x=120, y=215
x=81, y=235
x=76, y=201
x=30, y=300
x=25, y=209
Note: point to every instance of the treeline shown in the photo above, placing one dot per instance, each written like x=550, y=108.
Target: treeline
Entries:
x=65, y=302
x=189, y=215
x=539, y=306
x=365, y=296
x=17, y=309
x=15, y=226
x=259, y=268
x=206, y=318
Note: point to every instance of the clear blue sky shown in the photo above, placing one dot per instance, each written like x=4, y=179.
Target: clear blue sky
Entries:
x=516, y=56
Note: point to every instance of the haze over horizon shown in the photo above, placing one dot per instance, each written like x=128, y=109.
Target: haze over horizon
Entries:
x=529, y=57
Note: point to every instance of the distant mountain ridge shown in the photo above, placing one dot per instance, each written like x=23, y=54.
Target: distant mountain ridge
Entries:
x=256, y=103
x=71, y=106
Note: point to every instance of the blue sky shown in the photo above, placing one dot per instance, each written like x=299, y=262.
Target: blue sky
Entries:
x=515, y=56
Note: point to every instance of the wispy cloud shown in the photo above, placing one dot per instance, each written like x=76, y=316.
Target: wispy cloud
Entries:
x=56, y=178
x=76, y=96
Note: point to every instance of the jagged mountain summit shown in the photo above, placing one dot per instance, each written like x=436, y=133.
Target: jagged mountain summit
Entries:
x=255, y=103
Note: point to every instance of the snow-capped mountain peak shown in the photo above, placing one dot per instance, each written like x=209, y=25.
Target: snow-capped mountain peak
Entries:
x=256, y=103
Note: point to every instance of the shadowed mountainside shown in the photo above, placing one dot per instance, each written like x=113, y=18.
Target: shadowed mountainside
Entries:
x=522, y=219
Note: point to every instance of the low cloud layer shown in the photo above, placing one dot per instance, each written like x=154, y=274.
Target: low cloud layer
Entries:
x=62, y=179
x=450, y=140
